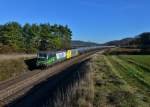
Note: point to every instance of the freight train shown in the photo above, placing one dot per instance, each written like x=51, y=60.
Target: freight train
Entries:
x=48, y=58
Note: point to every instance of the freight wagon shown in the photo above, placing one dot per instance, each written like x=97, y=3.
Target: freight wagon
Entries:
x=61, y=55
x=68, y=54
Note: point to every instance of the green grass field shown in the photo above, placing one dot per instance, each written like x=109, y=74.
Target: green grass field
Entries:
x=139, y=59
x=124, y=81
x=144, y=59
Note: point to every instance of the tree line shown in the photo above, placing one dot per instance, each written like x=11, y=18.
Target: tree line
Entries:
x=33, y=37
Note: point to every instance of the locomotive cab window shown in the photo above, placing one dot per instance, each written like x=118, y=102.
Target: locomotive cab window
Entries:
x=42, y=55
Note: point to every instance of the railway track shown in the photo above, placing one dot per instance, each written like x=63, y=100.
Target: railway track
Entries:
x=14, y=88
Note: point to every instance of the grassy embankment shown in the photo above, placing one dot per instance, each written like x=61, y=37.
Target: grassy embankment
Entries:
x=114, y=81
x=13, y=65
x=78, y=93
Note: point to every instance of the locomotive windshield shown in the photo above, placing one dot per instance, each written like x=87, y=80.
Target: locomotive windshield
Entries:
x=42, y=55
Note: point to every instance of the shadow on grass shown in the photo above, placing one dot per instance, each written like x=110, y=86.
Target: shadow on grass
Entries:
x=45, y=92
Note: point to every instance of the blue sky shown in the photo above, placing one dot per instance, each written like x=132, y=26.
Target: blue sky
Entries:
x=90, y=20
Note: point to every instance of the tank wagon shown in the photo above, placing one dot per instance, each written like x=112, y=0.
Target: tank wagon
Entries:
x=48, y=58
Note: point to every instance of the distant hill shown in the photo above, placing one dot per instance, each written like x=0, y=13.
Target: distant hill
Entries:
x=119, y=42
x=140, y=41
x=78, y=43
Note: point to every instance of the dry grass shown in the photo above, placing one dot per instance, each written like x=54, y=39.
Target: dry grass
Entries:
x=80, y=94
x=15, y=56
x=11, y=66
